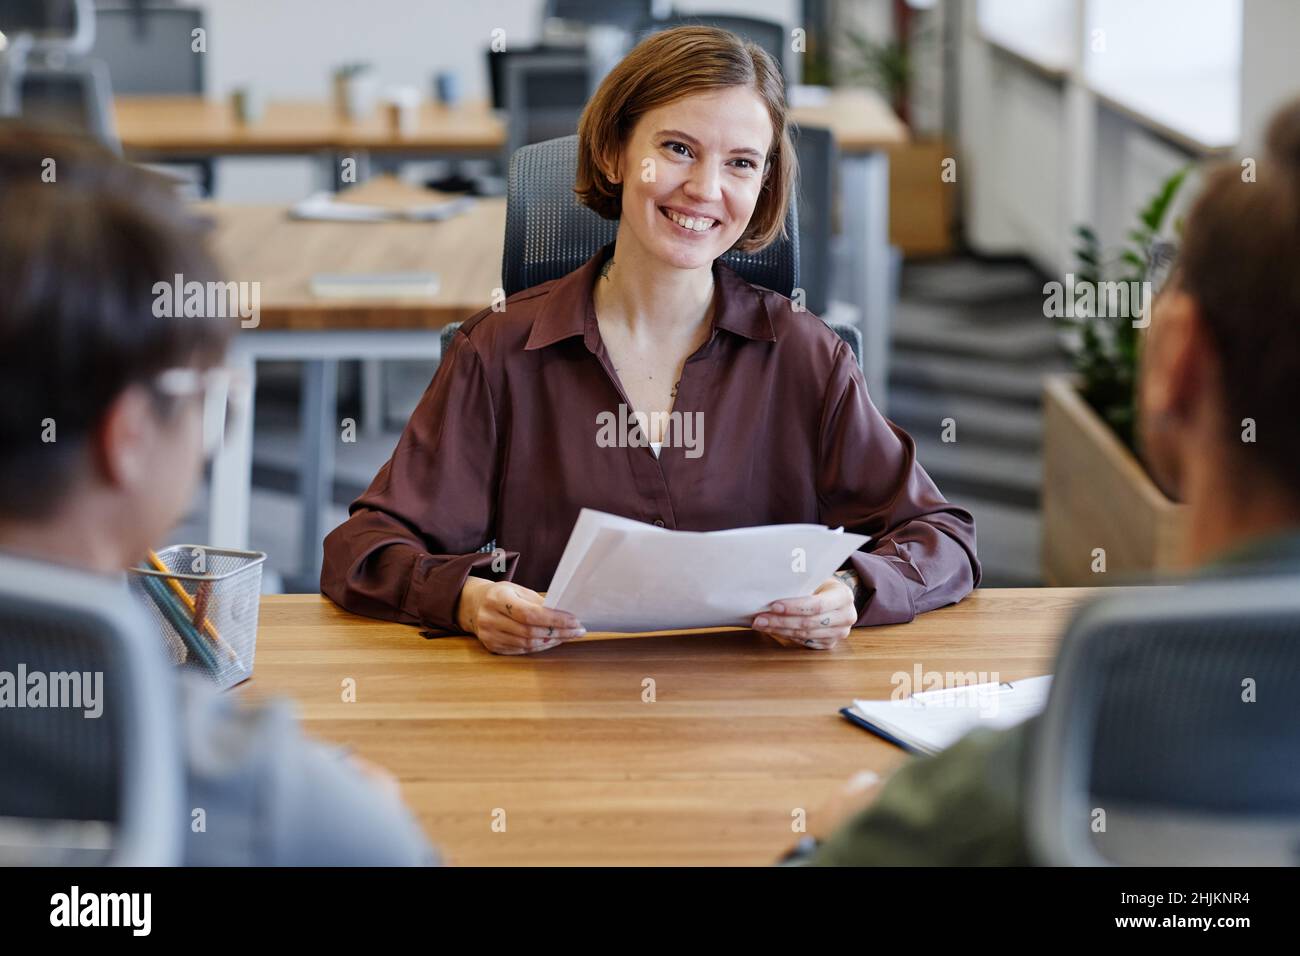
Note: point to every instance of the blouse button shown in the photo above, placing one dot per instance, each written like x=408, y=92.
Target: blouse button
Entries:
x=659, y=522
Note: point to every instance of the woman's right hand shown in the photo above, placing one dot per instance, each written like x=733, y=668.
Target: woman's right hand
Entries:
x=510, y=618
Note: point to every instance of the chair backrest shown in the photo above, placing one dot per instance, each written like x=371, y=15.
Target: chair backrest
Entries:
x=76, y=788
x=767, y=34
x=73, y=98
x=549, y=233
x=1172, y=736
x=149, y=49
x=818, y=161
x=59, y=27
x=545, y=92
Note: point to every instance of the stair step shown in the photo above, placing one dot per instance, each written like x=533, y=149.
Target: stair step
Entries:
x=922, y=411
x=1001, y=474
x=947, y=330
x=986, y=378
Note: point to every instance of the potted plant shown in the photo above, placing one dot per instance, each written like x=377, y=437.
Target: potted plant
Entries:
x=1104, y=519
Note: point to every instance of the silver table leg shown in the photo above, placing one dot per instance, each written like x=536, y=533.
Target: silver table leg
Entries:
x=865, y=180
x=318, y=431
x=232, y=468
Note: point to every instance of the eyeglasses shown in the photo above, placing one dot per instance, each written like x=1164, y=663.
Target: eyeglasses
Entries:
x=225, y=394
x=1162, y=256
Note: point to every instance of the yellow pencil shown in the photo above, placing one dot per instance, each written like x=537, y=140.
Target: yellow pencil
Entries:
x=205, y=625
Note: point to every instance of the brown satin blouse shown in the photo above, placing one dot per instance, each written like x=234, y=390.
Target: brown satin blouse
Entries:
x=509, y=443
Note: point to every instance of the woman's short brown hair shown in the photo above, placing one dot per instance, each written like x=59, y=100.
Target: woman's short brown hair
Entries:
x=667, y=67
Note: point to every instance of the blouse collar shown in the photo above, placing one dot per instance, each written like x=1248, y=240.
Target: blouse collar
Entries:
x=568, y=309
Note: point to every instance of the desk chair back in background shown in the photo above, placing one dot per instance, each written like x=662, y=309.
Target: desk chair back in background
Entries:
x=1174, y=723
x=544, y=95
x=80, y=790
x=149, y=48
x=46, y=77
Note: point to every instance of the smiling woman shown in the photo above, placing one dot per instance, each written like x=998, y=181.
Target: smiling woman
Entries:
x=686, y=145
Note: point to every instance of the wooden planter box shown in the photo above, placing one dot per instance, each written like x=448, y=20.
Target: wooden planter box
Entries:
x=1097, y=495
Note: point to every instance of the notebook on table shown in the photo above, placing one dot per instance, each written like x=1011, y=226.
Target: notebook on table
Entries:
x=929, y=721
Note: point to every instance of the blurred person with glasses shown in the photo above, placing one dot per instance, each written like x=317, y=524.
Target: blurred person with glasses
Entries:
x=106, y=412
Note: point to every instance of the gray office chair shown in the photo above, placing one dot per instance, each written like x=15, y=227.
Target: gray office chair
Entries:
x=45, y=77
x=767, y=34
x=1149, y=752
x=148, y=49
x=74, y=98
x=74, y=789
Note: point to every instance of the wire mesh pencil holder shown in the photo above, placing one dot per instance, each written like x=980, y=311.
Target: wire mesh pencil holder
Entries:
x=206, y=606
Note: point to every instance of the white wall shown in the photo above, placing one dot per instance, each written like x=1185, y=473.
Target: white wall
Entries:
x=288, y=49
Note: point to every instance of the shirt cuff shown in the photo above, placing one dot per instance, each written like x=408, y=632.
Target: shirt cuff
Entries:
x=889, y=592
x=434, y=595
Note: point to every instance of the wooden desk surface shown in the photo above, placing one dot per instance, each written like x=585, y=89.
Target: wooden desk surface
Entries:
x=262, y=244
x=185, y=125
x=189, y=125
x=741, y=732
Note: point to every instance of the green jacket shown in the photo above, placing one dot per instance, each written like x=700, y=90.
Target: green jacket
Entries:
x=965, y=806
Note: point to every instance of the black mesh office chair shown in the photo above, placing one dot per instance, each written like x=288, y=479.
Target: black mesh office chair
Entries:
x=545, y=93
x=1172, y=736
x=818, y=162
x=549, y=233
x=77, y=789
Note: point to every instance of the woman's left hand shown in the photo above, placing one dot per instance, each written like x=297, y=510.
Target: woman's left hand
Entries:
x=819, y=621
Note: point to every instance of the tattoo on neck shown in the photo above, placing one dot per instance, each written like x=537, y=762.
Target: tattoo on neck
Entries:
x=604, y=270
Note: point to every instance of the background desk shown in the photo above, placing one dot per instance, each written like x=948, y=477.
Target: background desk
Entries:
x=742, y=731
x=262, y=244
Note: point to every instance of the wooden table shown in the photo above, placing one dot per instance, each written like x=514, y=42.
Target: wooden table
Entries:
x=742, y=732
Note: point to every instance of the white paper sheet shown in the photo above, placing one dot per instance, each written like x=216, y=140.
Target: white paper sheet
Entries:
x=617, y=574
x=326, y=207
